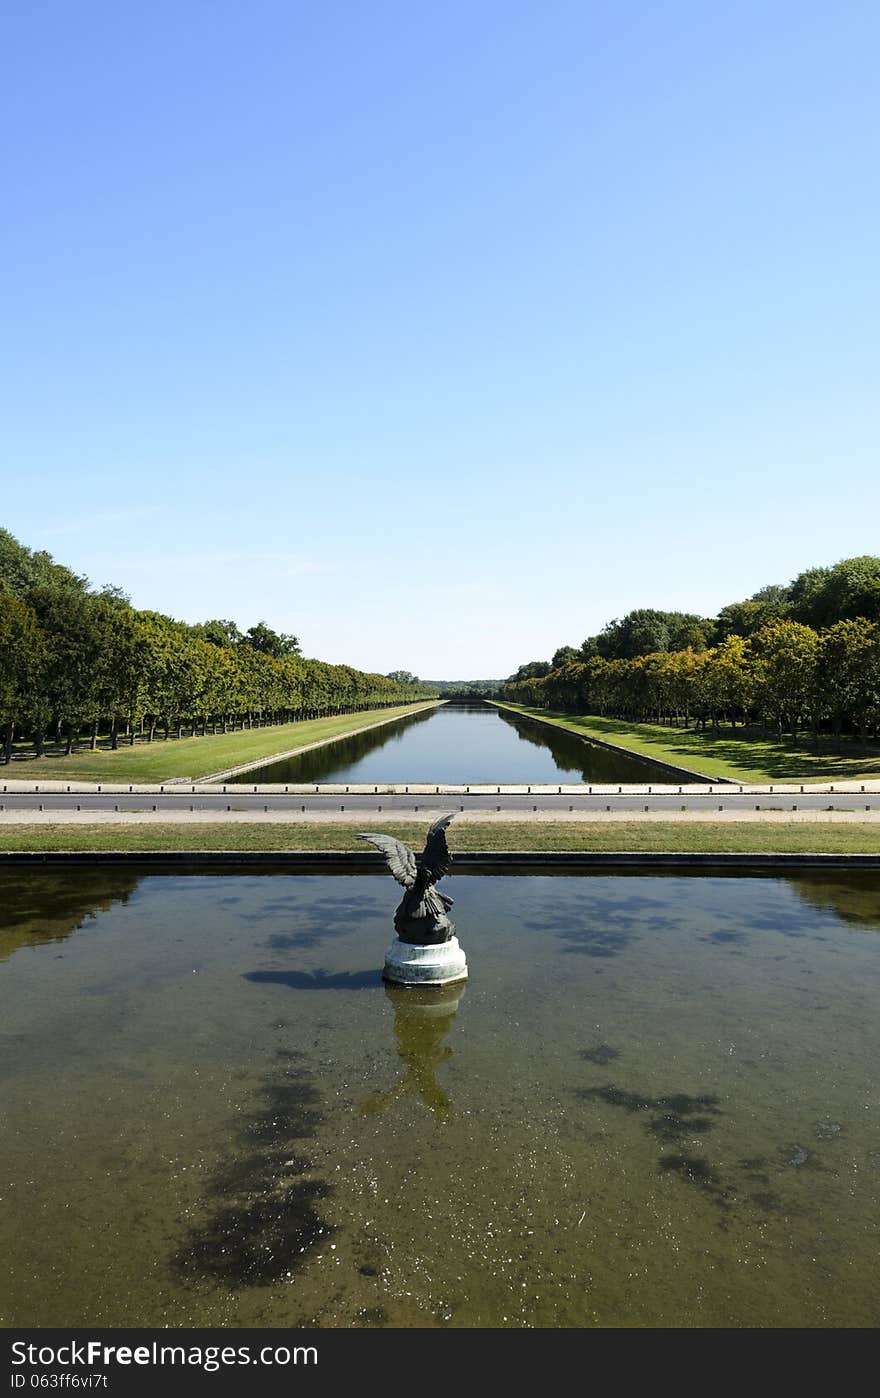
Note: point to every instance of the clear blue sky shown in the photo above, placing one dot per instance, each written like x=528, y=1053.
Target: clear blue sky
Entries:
x=440, y=334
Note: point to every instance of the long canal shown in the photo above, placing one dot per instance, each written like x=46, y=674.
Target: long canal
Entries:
x=458, y=744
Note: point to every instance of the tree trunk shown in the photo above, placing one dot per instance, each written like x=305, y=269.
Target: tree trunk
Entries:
x=93, y=743
x=114, y=734
x=7, y=746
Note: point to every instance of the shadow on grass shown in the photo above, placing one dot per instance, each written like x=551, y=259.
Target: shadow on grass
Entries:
x=785, y=761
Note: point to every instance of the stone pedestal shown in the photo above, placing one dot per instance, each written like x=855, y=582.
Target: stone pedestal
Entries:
x=436, y=963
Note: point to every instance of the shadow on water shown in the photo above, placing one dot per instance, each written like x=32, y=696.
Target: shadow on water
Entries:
x=600, y=1054
x=325, y=918
x=668, y=1118
x=317, y=980
x=606, y=926
x=263, y=1222
x=677, y=1121
x=672, y=1120
x=38, y=908
x=422, y=1019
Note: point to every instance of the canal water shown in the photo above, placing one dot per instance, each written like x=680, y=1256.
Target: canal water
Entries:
x=654, y=1103
x=463, y=744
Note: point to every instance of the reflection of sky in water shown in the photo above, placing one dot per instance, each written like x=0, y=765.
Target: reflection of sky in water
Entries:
x=655, y=1104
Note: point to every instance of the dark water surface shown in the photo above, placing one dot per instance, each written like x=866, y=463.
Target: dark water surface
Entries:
x=655, y=1103
x=462, y=744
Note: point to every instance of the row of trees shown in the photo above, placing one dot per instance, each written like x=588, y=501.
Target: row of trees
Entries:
x=786, y=675
x=818, y=598
x=75, y=660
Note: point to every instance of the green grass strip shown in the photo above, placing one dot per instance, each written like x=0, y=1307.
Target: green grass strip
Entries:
x=668, y=836
x=196, y=758
x=728, y=753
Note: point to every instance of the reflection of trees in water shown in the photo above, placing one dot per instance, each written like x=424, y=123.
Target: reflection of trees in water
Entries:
x=586, y=761
x=263, y=1223
x=593, y=763
x=422, y=1019
x=49, y=904
x=321, y=763
x=855, y=898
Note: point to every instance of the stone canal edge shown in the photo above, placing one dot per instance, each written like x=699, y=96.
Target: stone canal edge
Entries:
x=510, y=861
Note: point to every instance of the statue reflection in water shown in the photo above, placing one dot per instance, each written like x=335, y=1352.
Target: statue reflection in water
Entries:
x=422, y=1019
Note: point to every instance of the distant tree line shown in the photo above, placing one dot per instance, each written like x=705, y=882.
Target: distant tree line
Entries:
x=805, y=655
x=74, y=661
x=466, y=691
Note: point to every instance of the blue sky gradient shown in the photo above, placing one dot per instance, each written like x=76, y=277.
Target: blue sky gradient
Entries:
x=440, y=334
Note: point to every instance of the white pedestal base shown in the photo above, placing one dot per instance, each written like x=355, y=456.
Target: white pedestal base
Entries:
x=438, y=963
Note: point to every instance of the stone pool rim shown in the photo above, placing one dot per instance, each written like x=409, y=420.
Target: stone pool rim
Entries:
x=471, y=861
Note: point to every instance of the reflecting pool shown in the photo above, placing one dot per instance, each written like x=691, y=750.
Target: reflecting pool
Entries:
x=654, y=1103
x=461, y=744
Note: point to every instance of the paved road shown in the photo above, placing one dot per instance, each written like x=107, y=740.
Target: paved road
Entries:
x=241, y=799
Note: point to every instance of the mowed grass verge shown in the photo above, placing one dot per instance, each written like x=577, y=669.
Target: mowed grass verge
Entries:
x=641, y=837
x=196, y=758
x=727, y=753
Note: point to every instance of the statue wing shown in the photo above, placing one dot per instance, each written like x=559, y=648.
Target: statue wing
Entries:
x=400, y=860
x=436, y=857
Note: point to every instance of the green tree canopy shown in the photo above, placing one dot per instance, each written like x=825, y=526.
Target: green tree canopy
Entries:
x=21, y=570
x=564, y=656
x=262, y=638
x=647, y=631
x=218, y=633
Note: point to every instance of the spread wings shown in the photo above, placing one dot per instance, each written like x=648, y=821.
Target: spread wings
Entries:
x=400, y=860
x=436, y=857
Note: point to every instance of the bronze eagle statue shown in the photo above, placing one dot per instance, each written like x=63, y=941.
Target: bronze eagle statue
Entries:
x=422, y=917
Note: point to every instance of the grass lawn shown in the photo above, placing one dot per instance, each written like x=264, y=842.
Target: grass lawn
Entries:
x=196, y=758
x=723, y=754
x=855, y=838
